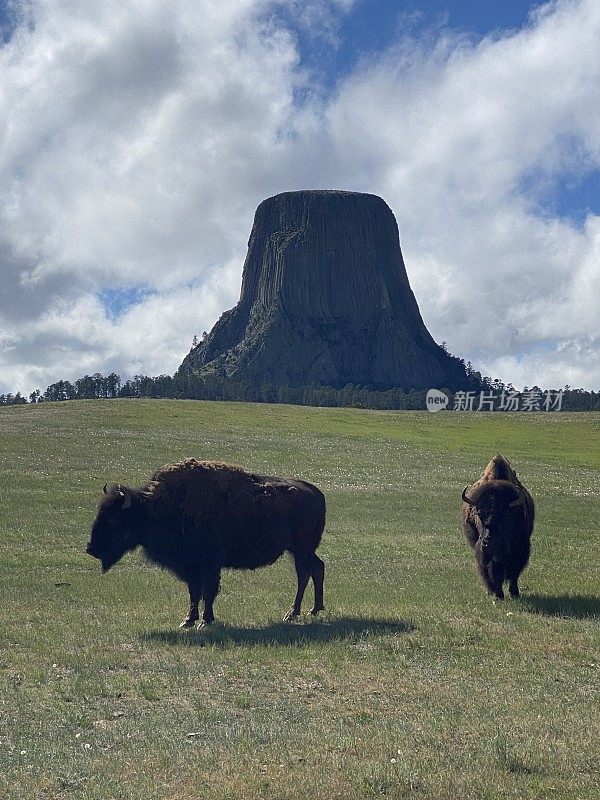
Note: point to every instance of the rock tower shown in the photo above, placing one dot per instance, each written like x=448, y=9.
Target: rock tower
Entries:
x=325, y=300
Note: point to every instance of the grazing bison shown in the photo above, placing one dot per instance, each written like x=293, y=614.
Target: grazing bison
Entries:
x=497, y=515
x=196, y=517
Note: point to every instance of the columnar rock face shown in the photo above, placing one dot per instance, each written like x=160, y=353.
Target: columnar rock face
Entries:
x=325, y=301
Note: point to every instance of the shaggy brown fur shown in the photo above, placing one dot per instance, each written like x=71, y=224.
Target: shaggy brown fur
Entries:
x=499, y=469
x=498, y=516
x=196, y=517
x=211, y=489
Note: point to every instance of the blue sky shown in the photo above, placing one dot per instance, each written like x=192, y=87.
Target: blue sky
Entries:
x=374, y=24
x=138, y=140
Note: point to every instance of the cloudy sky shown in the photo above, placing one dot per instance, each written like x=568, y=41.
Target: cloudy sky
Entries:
x=138, y=137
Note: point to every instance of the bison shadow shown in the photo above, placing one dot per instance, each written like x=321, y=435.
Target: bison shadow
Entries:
x=283, y=633
x=578, y=606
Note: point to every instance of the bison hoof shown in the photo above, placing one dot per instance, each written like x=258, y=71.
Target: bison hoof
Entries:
x=291, y=615
x=187, y=623
x=315, y=610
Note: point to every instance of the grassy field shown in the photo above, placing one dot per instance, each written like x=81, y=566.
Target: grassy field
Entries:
x=412, y=684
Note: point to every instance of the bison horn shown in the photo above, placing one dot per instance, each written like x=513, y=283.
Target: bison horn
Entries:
x=465, y=498
x=105, y=489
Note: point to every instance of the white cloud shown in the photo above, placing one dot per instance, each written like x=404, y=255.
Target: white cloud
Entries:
x=449, y=135
x=135, y=144
x=131, y=132
x=138, y=138
x=75, y=336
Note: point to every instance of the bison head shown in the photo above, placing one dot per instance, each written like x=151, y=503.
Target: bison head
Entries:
x=492, y=503
x=113, y=531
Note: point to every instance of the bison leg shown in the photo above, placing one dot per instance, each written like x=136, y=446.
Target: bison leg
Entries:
x=492, y=576
x=496, y=576
x=210, y=589
x=317, y=573
x=513, y=585
x=303, y=574
x=193, y=615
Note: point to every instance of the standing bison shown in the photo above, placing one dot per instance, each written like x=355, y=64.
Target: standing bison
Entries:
x=498, y=515
x=196, y=517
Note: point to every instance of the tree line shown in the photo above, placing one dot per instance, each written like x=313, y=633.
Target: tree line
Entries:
x=89, y=387
x=217, y=387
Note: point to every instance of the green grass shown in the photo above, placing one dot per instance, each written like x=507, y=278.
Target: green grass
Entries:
x=412, y=684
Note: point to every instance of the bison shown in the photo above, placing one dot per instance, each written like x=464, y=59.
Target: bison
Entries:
x=195, y=518
x=497, y=515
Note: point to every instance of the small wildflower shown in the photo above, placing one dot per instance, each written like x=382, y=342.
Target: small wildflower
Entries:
x=393, y=760
x=23, y=752
x=87, y=746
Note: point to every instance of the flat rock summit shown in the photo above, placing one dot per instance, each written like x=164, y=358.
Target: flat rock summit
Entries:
x=325, y=300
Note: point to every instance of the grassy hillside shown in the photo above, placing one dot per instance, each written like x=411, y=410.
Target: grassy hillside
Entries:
x=413, y=684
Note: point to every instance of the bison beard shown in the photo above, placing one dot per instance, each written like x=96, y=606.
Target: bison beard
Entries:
x=195, y=518
x=498, y=515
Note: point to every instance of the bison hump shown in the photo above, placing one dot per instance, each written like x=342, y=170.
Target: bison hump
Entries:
x=207, y=490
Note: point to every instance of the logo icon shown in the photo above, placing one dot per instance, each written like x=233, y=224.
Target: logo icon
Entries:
x=436, y=400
